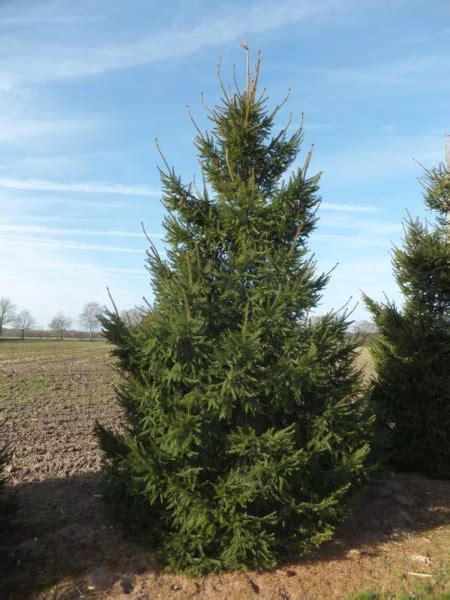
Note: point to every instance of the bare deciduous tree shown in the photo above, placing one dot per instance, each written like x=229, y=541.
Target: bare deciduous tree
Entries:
x=364, y=327
x=24, y=321
x=7, y=312
x=60, y=323
x=133, y=316
x=89, y=318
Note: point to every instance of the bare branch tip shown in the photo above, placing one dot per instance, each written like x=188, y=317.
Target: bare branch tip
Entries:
x=112, y=301
x=146, y=302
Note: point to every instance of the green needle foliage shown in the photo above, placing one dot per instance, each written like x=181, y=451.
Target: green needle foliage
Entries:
x=411, y=392
x=247, y=433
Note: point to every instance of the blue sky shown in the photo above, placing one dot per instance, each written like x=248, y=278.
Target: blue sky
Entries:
x=86, y=87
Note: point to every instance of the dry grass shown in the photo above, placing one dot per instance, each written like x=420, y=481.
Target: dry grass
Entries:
x=364, y=361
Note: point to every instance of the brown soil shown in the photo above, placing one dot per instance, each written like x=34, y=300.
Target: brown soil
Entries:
x=60, y=544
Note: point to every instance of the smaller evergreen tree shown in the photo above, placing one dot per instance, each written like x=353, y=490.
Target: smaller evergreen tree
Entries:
x=411, y=391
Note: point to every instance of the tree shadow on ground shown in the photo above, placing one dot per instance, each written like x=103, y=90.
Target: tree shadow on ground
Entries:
x=61, y=530
x=393, y=506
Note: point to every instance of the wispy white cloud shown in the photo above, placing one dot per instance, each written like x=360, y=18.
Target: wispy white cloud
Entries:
x=66, y=281
x=351, y=208
x=34, y=130
x=341, y=233
x=368, y=226
x=52, y=11
x=21, y=240
x=47, y=62
x=37, y=229
x=80, y=269
x=38, y=185
x=348, y=242
x=50, y=164
x=424, y=72
x=371, y=274
x=34, y=19
x=381, y=157
x=17, y=128
x=354, y=272
x=6, y=82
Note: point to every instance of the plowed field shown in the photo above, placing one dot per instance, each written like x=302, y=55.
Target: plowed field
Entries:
x=59, y=542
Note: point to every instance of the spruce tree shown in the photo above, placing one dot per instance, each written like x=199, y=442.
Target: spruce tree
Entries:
x=246, y=430
x=411, y=391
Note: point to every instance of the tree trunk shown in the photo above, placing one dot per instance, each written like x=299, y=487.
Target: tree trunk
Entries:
x=23, y=334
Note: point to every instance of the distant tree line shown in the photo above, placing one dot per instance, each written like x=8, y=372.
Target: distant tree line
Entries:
x=22, y=324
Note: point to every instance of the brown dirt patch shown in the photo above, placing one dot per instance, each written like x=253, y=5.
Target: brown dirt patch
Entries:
x=60, y=544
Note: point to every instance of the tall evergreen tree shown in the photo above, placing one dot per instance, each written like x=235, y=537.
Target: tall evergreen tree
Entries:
x=247, y=433
x=411, y=391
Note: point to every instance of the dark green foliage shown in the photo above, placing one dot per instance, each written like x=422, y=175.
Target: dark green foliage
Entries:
x=411, y=392
x=247, y=433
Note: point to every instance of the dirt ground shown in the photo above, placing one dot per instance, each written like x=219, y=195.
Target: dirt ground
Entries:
x=59, y=544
